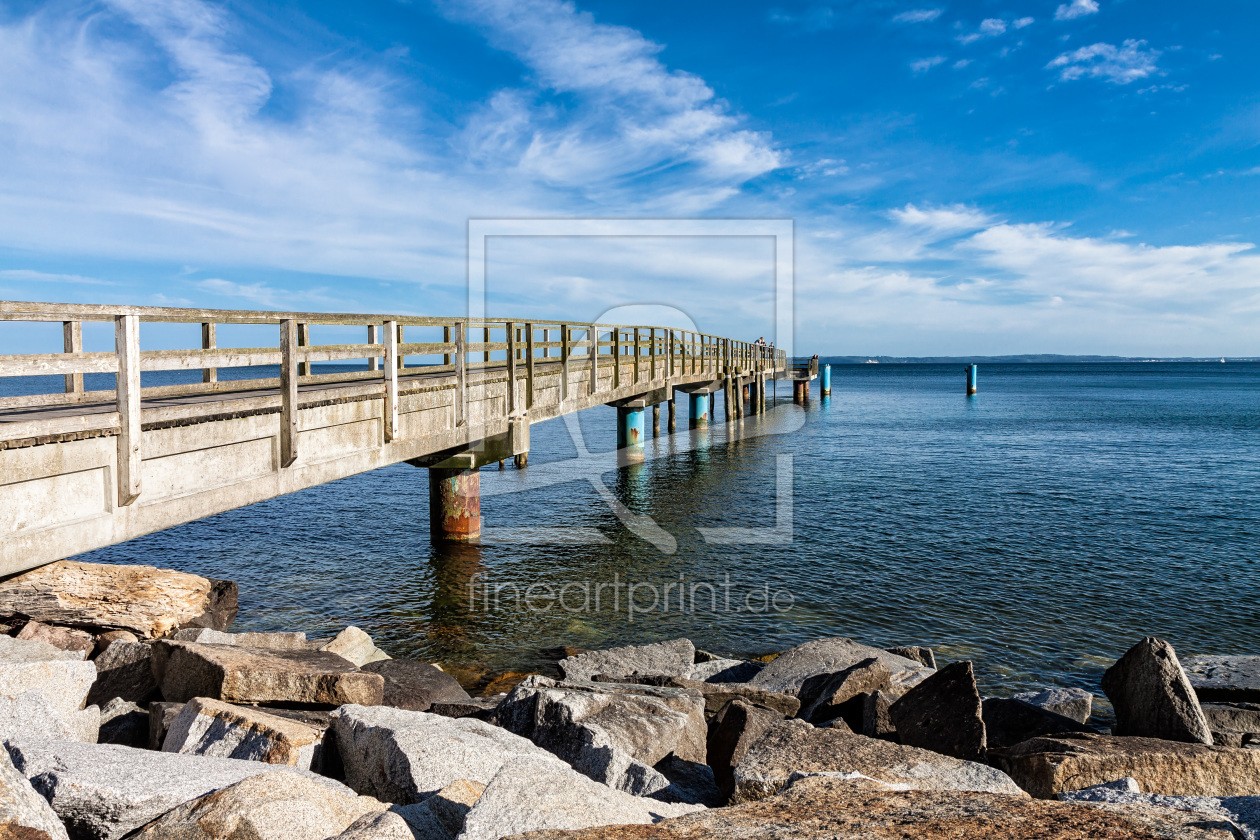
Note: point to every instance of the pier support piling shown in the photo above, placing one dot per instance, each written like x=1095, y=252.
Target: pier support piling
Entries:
x=698, y=411
x=825, y=385
x=971, y=379
x=673, y=424
x=521, y=460
x=656, y=420
x=630, y=434
x=454, y=504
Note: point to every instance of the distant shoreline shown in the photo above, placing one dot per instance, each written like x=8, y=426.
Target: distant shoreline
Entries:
x=1027, y=359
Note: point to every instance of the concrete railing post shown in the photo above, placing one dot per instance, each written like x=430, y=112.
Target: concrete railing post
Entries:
x=127, y=389
x=461, y=373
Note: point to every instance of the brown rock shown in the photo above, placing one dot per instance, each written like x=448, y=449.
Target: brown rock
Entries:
x=828, y=696
x=876, y=719
x=185, y=670
x=1056, y=764
x=794, y=746
x=1152, y=697
x=148, y=601
x=839, y=809
x=717, y=695
x=1008, y=721
x=415, y=685
x=922, y=655
x=943, y=714
x=214, y=728
x=452, y=803
x=1232, y=717
x=104, y=640
x=736, y=727
x=503, y=683
x=62, y=638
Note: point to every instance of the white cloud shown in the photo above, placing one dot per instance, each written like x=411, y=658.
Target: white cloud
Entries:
x=989, y=28
x=925, y=64
x=1076, y=9
x=1022, y=22
x=918, y=16
x=26, y=275
x=1120, y=65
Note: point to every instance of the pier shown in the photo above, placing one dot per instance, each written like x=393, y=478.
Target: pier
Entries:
x=82, y=469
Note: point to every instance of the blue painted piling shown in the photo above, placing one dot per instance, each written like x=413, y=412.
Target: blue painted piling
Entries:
x=826, y=381
x=698, y=410
x=971, y=379
x=630, y=434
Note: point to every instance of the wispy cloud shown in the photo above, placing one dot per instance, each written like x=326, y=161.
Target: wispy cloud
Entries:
x=1020, y=23
x=1076, y=9
x=989, y=28
x=918, y=16
x=925, y=64
x=1121, y=65
x=26, y=275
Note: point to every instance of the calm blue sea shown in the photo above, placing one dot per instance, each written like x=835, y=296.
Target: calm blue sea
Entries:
x=1038, y=528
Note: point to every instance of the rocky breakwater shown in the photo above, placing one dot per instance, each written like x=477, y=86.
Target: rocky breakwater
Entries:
x=124, y=721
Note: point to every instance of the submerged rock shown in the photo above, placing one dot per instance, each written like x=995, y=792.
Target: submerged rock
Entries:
x=185, y=670
x=794, y=746
x=1152, y=697
x=855, y=809
x=1060, y=763
x=147, y=601
x=943, y=714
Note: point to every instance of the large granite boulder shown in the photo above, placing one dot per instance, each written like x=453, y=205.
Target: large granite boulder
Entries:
x=411, y=823
x=826, y=697
x=124, y=722
x=535, y=794
x=450, y=805
x=416, y=686
x=150, y=602
x=30, y=715
x=716, y=695
x=1232, y=717
x=62, y=638
x=63, y=677
x=612, y=732
x=214, y=728
x=736, y=727
x=1242, y=811
x=185, y=670
x=674, y=658
x=1056, y=764
x=1225, y=679
x=877, y=719
x=1075, y=703
x=943, y=714
x=790, y=669
x=24, y=813
x=1008, y=721
x=106, y=791
x=855, y=809
x=794, y=746
x=284, y=640
x=124, y=669
x=1152, y=697
x=923, y=655
x=355, y=646
x=273, y=806
x=405, y=757
x=725, y=670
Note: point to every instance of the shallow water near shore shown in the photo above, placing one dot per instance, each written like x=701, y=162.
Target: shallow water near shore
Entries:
x=1039, y=528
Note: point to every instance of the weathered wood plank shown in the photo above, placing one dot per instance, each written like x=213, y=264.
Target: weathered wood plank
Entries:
x=288, y=392
x=391, y=381
x=127, y=386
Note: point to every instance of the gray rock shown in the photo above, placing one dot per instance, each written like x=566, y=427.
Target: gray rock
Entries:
x=923, y=655
x=794, y=746
x=1008, y=722
x=355, y=646
x=392, y=825
x=482, y=708
x=670, y=659
x=124, y=722
x=105, y=791
x=1242, y=811
x=64, y=682
x=160, y=716
x=24, y=814
x=876, y=716
x=1075, y=703
x=450, y=805
x=690, y=782
x=825, y=697
x=86, y=724
x=14, y=651
x=214, y=728
x=104, y=640
x=535, y=793
x=612, y=732
x=234, y=674
x=273, y=641
x=124, y=669
x=725, y=670
x=1225, y=679
x=62, y=638
x=1232, y=717
x=1152, y=697
x=416, y=686
x=943, y=714
x=735, y=728
x=404, y=757
x=790, y=669
x=29, y=714
x=273, y=806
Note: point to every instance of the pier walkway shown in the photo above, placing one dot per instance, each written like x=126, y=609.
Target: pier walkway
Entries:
x=81, y=469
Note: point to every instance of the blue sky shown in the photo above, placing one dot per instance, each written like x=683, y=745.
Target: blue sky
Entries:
x=966, y=177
